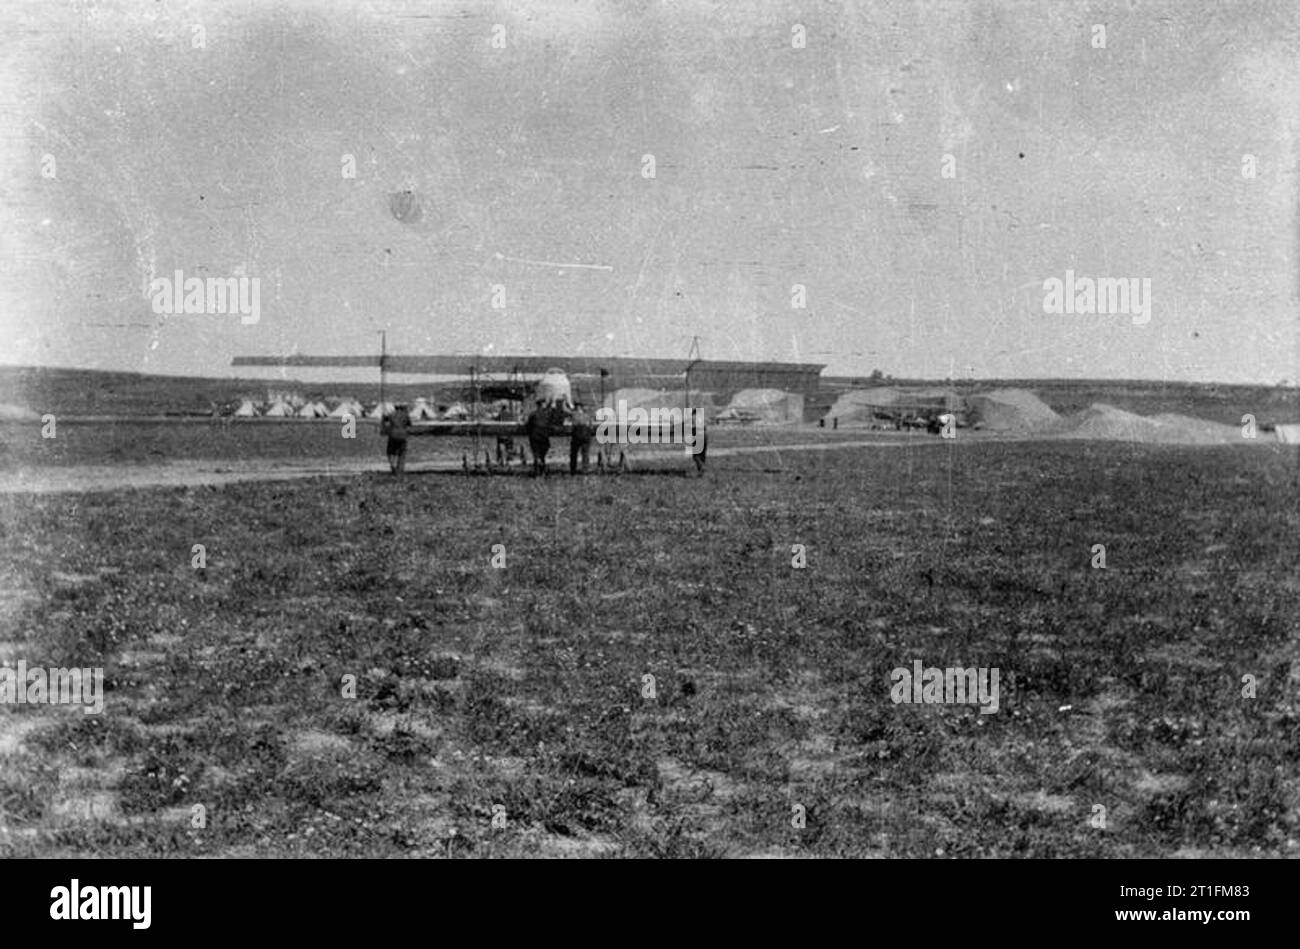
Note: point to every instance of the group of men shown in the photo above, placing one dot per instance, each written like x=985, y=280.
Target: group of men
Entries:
x=542, y=423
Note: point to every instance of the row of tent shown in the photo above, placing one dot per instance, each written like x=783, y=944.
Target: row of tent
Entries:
x=748, y=405
x=420, y=410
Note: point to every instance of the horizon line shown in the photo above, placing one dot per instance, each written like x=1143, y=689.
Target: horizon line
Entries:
x=822, y=376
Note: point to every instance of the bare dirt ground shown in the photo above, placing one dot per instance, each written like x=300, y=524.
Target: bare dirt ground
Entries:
x=195, y=473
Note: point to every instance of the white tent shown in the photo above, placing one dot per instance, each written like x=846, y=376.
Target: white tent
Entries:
x=1289, y=434
x=279, y=410
x=768, y=405
x=246, y=410
x=348, y=407
x=422, y=411
x=456, y=411
x=289, y=398
x=863, y=406
x=381, y=409
x=313, y=410
x=13, y=413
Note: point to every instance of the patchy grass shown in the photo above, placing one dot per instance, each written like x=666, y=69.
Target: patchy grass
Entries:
x=522, y=693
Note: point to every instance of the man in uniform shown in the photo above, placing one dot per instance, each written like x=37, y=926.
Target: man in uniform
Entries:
x=580, y=442
x=397, y=426
x=538, y=428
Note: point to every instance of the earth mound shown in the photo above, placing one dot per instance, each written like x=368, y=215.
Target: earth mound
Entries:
x=1106, y=422
x=1010, y=410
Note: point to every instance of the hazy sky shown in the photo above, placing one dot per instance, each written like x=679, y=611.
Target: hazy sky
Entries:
x=774, y=166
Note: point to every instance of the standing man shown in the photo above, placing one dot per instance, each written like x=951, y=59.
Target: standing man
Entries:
x=397, y=426
x=538, y=428
x=580, y=441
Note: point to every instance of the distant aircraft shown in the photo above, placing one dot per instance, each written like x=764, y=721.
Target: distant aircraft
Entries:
x=499, y=408
x=738, y=414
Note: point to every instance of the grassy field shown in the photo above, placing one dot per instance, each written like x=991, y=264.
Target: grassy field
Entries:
x=135, y=442
x=521, y=692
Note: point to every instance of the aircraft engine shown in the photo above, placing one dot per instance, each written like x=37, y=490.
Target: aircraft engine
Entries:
x=553, y=389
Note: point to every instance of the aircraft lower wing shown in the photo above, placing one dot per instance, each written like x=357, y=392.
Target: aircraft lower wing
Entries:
x=650, y=434
x=484, y=428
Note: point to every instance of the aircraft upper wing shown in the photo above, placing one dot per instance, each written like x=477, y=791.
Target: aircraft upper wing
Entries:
x=462, y=365
x=618, y=370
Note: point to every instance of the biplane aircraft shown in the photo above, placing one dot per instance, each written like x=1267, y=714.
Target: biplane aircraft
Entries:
x=929, y=412
x=930, y=415
x=497, y=395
